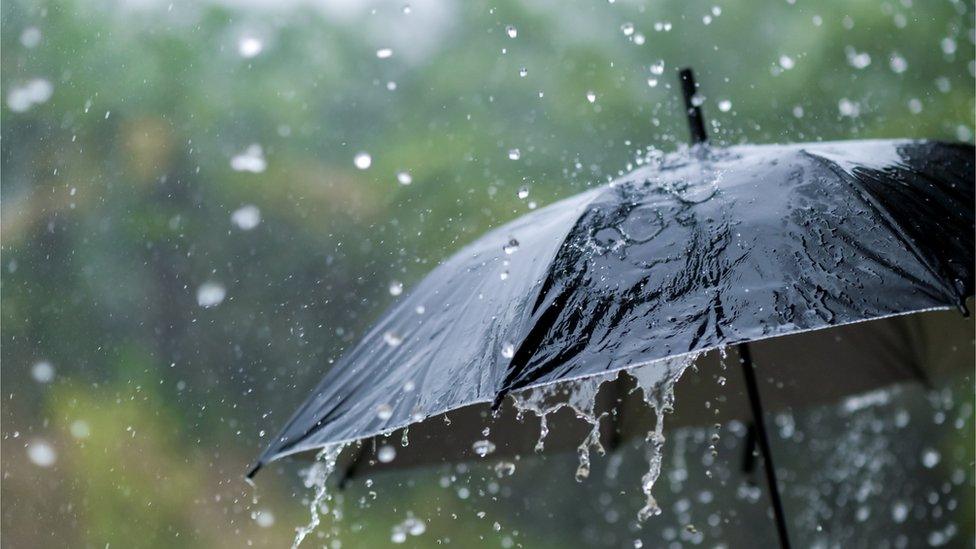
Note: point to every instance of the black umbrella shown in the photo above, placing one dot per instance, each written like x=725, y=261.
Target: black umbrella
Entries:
x=698, y=250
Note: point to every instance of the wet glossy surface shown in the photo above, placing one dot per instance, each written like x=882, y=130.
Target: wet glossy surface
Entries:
x=690, y=252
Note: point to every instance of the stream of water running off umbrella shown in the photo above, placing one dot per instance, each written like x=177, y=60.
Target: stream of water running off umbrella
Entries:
x=656, y=381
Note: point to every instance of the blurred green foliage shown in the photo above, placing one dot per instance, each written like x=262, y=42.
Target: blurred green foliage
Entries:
x=117, y=195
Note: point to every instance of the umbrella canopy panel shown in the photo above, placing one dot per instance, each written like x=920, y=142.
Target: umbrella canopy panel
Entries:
x=693, y=251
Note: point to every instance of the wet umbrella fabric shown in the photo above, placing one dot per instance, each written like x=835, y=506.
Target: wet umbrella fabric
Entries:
x=695, y=250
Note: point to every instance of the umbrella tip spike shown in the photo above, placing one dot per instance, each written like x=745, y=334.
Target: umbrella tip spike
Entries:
x=696, y=122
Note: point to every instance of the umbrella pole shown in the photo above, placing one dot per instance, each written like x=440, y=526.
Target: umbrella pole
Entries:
x=748, y=372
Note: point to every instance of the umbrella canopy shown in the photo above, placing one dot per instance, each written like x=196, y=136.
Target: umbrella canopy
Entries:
x=697, y=250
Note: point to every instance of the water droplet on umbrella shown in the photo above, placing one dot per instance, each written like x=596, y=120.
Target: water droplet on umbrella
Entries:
x=511, y=31
x=511, y=247
x=392, y=339
x=523, y=193
x=658, y=67
x=384, y=412
x=627, y=29
x=523, y=72
x=508, y=350
x=363, y=160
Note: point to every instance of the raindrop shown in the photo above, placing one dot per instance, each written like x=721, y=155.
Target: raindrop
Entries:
x=523, y=193
x=948, y=45
x=931, y=458
x=652, y=82
x=639, y=39
x=483, y=447
x=31, y=37
x=511, y=247
x=251, y=160
x=43, y=372
x=627, y=29
x=80, y=429
x=404, y=178
x=384, y=53
x=210, y=294
x=386, y=453
x=914, y=106
x=420, y=309
x=858, y=60
x=249, y=47
x=504, y=468
x=897, y=63
x=511, y=31
x=514, y=154
x=658, y=67
x=786, y=62
x=523, y=72
x=591, y=96
x=246, y=217
x=363, y=160
x=725, y=105
x=263, y=518
x=34, y=92
x=396, y=288
x=848, y=108
x=41, y=453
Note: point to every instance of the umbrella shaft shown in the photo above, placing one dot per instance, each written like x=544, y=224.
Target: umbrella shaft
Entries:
x=745, y=358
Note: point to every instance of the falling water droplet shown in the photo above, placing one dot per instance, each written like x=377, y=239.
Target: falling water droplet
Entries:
x=386, y=453
x=483, y=447
x=210, y=294
x=363, y=160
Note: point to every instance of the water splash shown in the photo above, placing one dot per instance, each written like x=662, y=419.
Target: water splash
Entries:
x=316, y=477
x=580, y=397
x=656, y=380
